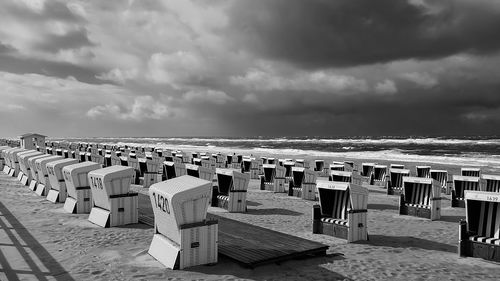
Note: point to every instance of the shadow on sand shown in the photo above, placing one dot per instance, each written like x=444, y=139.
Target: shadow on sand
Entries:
x=408, y=242
x=25, y=245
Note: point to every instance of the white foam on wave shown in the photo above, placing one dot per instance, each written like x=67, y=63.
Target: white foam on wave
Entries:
x=471, y=159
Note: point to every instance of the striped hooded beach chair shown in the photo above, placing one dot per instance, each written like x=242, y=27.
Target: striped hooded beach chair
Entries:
x=490, y=183
x=460, y=185
x=421, y=197
x=231, y=192
x=367, y=172
x=273, y=178
x=303, y=184
x=395, y=186
x=379, y=176
x=342, y=210
x=470, y=172
x=479, y=233
x=423, y=171
x=441, y=176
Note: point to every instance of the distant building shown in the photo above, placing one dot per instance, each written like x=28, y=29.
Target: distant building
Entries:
x=31, y=141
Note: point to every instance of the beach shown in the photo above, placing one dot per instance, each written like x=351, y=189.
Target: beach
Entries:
x=46, y=242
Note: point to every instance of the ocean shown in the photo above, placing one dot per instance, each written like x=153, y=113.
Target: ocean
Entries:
x=473, y=151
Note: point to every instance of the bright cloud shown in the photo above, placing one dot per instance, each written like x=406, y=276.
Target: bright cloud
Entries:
x=423, y=79
x=386, y=87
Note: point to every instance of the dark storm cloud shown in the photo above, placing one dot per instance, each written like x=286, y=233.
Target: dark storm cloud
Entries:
x=324, y=33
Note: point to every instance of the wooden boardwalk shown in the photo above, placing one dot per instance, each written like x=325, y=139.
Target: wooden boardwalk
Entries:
x=247, y=244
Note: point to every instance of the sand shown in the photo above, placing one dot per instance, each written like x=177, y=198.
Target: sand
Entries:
x=39, y=241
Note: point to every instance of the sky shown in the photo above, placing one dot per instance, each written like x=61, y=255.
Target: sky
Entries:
x=87, y=68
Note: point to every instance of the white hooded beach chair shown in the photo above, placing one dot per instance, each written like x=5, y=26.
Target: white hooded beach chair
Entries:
x=441, y=176
x=43, y=186
x=25, y=167
x=57, y=192
x=172, y=170
x=79, y=199
x=479, y=233
x=200, y=172
x=421, y=197
x=14, y=161
x=273, y=178
x=114, y=204
x=183, y=237
x=33, y=170
x=342, y=210
x=460, y=184
x=303, y=184
x=149, y=172
x=380, y=176
x=231, y=192
x=367, y=172
x=336, y=167
x=395, y=186
x=340, y=176
x=423, y=171
x=490, y=183
x=288, y=164
x=470, y=172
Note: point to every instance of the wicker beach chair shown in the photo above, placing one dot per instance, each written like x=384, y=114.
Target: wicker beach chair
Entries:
x=342, y=210
x=395, y=186
x=460, y=184
x=273, y=178
x=421, y=197
x=303, y=184
x=231, y=191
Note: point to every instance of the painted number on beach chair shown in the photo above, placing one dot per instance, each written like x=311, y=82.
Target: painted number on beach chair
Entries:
x=161, y=203
x=96, y=183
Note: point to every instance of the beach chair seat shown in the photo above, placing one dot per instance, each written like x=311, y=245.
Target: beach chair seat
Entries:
x=57, y=192
x=288, y=164
x=342, y=210
x=479, y=233
x=113, y=203
x=470, y=172
x=183, y=237
x=460, y=185
x=303, y=184
x=420, y=197
x=79, y=195
x=395, y=185
x=490, y=183
x=273, y=178
x=423, y=171
x=233, y=184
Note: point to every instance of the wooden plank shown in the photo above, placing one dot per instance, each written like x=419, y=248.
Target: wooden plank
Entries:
x=248, y=244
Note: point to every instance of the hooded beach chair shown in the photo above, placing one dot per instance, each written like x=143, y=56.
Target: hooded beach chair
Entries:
x=490, y=183
x=200, y=172
x=342, y=210
x=231, y=190
x=397, y=166
x=395, y=186
x=172, y=170
x=79, y=199
x=148, y=172
x=43, y=186
x=113, y=203
x=479, y=233
x=367, y=172
x=441, y=176
x=460, y=184
x=336, y=167
x=340, y=176
x=57, y=192
x=25, y=167
x=14, y=161
x=288, y=164
x=470, y=172
x=33, y=170
x=421, y=197
x=183, y=237
x=423, y=171
x=380, y=176
x=303, y=184
x=273, y=178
